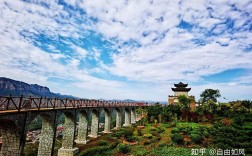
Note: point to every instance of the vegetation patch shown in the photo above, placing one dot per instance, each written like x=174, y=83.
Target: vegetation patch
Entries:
x=123, y=148
x=177, y=138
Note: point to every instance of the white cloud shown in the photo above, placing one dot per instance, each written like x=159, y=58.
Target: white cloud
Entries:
x=165, y=52
x=82, y=52
x=129, y=20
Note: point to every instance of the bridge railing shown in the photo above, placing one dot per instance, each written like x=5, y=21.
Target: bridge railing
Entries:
x=21, y=103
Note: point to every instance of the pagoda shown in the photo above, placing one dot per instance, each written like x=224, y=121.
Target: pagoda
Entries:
x=181, y=89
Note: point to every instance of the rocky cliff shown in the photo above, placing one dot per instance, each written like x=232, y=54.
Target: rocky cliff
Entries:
x=16, y=88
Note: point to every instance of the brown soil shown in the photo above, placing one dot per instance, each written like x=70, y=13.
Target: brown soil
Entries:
x=130, y=143
x=186, y=138
x=140, y=127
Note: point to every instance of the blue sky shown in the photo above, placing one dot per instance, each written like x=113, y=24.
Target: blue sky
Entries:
x=128, y=49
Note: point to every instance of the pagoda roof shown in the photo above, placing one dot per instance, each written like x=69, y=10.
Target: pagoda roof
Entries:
x=180, y=84
x=181, y=89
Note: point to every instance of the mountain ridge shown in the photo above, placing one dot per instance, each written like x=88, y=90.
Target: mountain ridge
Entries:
x=17, y=88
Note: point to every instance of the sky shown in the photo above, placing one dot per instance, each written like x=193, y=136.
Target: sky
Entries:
x=128, y=49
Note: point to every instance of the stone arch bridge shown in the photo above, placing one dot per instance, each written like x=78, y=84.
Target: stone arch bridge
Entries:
x=16, y=113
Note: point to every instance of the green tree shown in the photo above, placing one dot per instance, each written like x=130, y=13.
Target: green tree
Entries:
x=247, y=104
x=153, y=111
x=171, y=112
x=224, y=109
x=142, y=113
x=210, y=94
x=211, y=107
x=200, y=111
x=184, y=101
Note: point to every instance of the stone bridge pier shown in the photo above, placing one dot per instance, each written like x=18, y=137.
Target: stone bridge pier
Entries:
x=95, y=123
x=13, y=128
x=47, y=134
x=107, y=124
x=133, y=116
x=11, y=139
x=67, y=148
x=127, y=119
x=83, y=128
x=118, y=119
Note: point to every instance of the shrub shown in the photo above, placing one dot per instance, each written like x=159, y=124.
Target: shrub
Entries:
x=160, y=130
x=146, y=142
x=222, y=146
x=180, y=127
x=161, y=144
x=228, y=141
x=239, y=120
x=148, y=135
x=196, y=132
x=94, y=151
x=155, y=139
x=196, y=129
x=110, y=136
x=164, y=151
x=118, y=134
x=141, y=152
x=247, y=127
x=155, y=133
x=245, y=145
x=187, y=129
x=139, y=132
x=235, y=144
x=226, y=121
x=203, y=128
x=167, y=125
x=152, y=129
x=173, y=124
x=196, y=138
x=177, y=138
x=175, y=130
x=206, y=134
x=127, y=133
x=248, y=132
x=123, y=148
x=131, y=138
x=244, y=138
x=103, y=143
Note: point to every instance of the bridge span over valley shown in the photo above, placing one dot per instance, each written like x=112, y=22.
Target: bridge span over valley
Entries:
x=16, y=113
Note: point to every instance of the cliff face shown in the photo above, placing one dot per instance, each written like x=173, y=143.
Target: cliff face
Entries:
x=13, y=85
x=41, y=89
x=17, y=88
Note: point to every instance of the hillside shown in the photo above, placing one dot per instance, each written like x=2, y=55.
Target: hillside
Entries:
x=17, y=88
